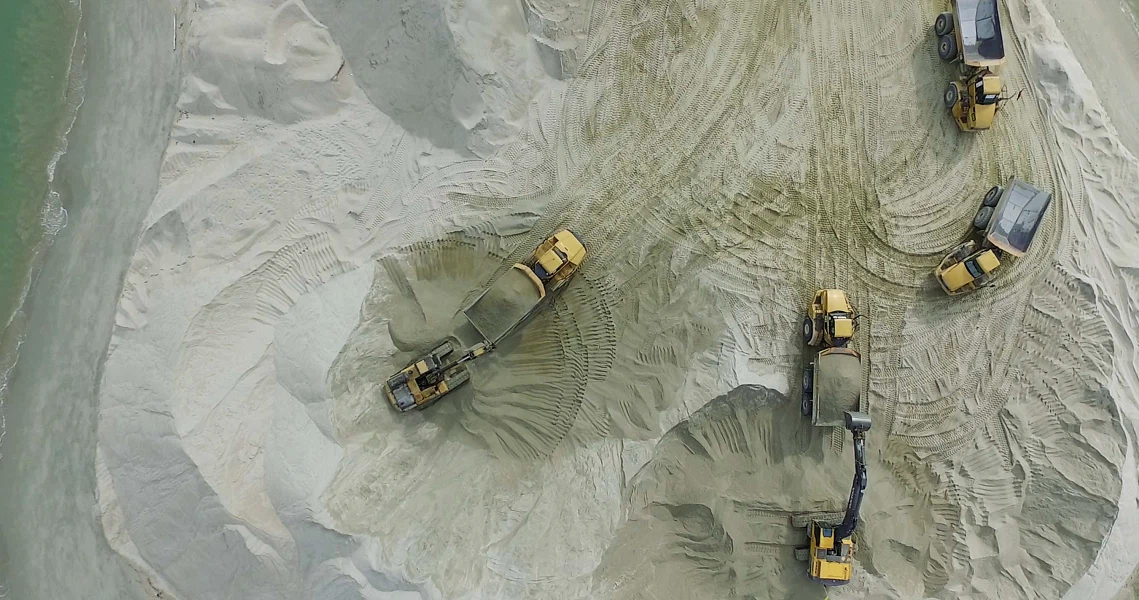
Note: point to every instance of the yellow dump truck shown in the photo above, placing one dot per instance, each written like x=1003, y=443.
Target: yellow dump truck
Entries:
x=508, y=303
x=970, y=35
x=1005, y=224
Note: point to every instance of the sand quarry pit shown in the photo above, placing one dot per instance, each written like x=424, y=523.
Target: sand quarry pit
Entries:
x=342, y=179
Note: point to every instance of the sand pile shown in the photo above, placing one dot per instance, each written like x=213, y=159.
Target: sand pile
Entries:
x=343, y=178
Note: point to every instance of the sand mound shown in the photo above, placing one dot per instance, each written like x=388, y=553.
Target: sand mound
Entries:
x=721, y=161
x=709, y=515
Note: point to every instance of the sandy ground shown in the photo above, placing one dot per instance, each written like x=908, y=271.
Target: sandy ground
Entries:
x=341, y=179
x=1104, y=36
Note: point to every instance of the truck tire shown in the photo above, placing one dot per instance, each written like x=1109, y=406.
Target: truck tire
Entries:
x=992, y=196
x=807, y=402
x=984, y=214
x=810, y=332
x=947, y=47
x=951, y=95
x=943, y=25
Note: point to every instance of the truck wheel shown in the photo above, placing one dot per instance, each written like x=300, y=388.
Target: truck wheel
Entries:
x=943, y=24
x=806, y=404
x=947, y=47
x=810, y=332
x=992, y=196
x=984, y=214
x=951, y=95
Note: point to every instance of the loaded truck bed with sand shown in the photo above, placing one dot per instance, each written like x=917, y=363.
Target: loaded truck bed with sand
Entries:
x=524, y=288
x=510, y=301
x=832, y=386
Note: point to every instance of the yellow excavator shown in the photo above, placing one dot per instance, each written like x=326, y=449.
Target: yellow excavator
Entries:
x=830, y=553
x=429, y=378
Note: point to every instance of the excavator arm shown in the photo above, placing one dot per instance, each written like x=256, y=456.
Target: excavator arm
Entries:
x=858, y=423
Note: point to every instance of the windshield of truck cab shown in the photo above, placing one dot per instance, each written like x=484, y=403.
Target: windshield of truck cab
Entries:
x=974, y=268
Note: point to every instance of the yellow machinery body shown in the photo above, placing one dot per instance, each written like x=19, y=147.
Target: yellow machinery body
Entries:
x=966, y=269
x=830, y=319
x=829, y=565
x=978, y=100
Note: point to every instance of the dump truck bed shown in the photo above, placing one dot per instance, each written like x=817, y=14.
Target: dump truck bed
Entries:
x=506, y=304
x=1017, y=217
x=838, y=386
x=979, y=31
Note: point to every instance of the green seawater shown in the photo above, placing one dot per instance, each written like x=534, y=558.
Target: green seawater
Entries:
x=36, y=42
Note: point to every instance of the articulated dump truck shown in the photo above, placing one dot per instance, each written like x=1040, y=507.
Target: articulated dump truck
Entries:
x=509, y=302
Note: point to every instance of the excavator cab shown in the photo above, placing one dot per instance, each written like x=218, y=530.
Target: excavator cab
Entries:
x=830, y=565
x=830, y=553
x=429, y=378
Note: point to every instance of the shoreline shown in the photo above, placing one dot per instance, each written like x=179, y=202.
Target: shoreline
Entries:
x=106, y=178
x=53, y=216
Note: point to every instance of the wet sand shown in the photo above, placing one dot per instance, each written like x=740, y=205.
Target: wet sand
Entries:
x=108, y=178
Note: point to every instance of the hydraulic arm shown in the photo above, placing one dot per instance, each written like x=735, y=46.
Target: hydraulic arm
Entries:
x=858, y=424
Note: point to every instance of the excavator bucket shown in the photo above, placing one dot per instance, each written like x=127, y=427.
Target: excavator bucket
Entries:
x=801, y=520
x=857, y=421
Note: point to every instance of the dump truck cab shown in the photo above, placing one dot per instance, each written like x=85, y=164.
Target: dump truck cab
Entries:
x=557, y=257
x=967, y=268
x=974, y=102
x=830, y=319
x=970, y=35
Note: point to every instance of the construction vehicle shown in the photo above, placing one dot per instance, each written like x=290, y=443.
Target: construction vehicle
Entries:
x=970, y=35
x=1006, y=223
x=831, y=547
x=830, y=319
x=508, y=303
x=429, y=378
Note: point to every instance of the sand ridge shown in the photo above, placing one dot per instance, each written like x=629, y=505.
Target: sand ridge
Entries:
x=317, y=228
